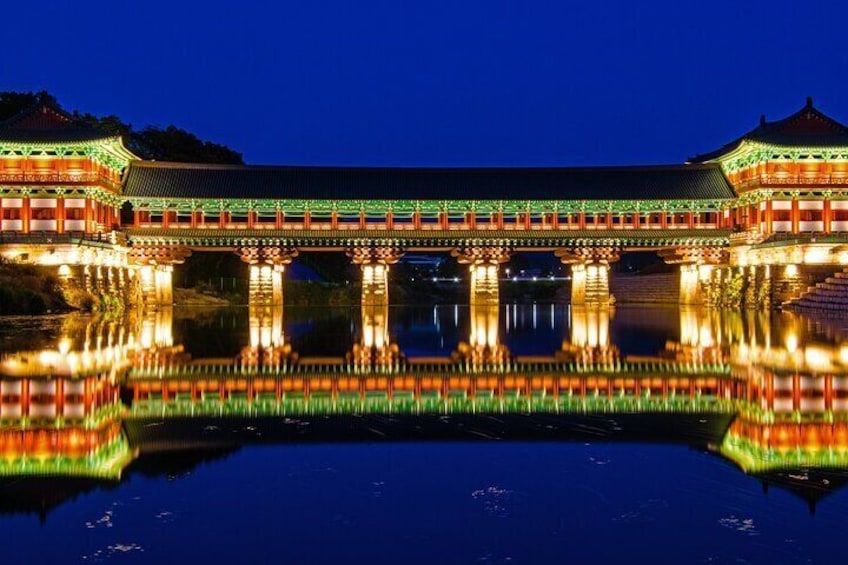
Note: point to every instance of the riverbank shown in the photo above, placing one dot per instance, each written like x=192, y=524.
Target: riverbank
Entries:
x=29, y=289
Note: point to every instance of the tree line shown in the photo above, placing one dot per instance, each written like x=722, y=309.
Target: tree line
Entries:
x=168, y=143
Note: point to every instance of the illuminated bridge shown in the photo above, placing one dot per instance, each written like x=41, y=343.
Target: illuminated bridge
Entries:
x=769, y=211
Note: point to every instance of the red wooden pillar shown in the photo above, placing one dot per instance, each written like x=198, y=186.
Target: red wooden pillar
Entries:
x=278, y=219
x=828, y=392
x=362, y=220
x=334, y=220
x=769, y=216
x=581, y=220
x=443, y=220
x=636, y=220
x=663, y=219
x=60, y=214
x=499, y=220
x=25, y=214
x=136, y=218
x=416, y=220
x=472, y=220
x=555, y=220
x=251, y=219
x=222, y=219
x=25, y=400
x=166, y=220
x=390, y=224
x=527, y=220
x=796, y=217
x=826, y=214
x=60, y=397
x=690, y=220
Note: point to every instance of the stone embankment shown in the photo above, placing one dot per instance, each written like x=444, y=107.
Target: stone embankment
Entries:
x=655, y=288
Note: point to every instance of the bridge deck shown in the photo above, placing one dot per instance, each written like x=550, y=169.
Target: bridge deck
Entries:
x=429, y=239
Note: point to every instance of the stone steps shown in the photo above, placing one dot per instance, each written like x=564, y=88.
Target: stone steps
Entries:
x=829, y=296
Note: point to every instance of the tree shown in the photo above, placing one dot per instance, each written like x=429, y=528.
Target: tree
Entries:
x=162, y=144
x=175, y=144
x=13, y=103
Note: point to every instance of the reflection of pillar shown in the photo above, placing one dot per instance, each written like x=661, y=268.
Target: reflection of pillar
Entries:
x=266, y=326
x=590, y=267
x=696, y=328
x=690, y=285
x=157, y=329
x=590, y=335
x=374, y=262
x=590, y=327
x=484, y=326
x=375, y=330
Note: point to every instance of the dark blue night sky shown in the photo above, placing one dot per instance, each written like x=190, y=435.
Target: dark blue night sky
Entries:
x=425, y=83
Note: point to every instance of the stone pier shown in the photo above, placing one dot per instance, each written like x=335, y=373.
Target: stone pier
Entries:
x=266, y=266
x=483, y=267
x=696, y=266
x=156, y=272
x=590, y=267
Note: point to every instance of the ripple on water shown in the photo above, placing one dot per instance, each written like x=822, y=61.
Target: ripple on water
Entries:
x=495, y=500
x=111, y=550
x=742, y=525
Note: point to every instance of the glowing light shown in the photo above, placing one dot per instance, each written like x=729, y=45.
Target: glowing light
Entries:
x=791, y=341
x=791, y=271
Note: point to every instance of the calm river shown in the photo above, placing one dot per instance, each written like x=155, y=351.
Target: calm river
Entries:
x=449, y=434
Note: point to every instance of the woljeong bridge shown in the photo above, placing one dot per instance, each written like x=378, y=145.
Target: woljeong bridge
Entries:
x=768, y=210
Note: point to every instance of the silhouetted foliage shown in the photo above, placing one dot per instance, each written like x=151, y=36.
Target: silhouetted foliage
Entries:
x=162, y=144
x=27, y=289
x=12, y=103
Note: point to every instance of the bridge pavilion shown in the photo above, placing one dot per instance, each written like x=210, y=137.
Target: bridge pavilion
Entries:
x=774, y=198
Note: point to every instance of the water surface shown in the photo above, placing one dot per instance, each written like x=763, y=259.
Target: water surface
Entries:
x=522, y=433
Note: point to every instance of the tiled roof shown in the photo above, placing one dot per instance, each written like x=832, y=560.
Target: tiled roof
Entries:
x=807, y=127
x=178, y=180
x=45, y=122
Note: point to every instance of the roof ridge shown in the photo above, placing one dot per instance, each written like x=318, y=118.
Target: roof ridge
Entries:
x=46, y=103
x=779, y=133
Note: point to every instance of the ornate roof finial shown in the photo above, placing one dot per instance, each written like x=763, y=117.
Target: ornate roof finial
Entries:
x=810, y=102
x=762, y=119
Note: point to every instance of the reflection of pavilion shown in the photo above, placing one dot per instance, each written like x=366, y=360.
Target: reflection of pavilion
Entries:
x=770, y=403
x=69, y=427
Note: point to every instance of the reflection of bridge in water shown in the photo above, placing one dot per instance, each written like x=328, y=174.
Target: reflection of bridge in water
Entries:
x=774, y=403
